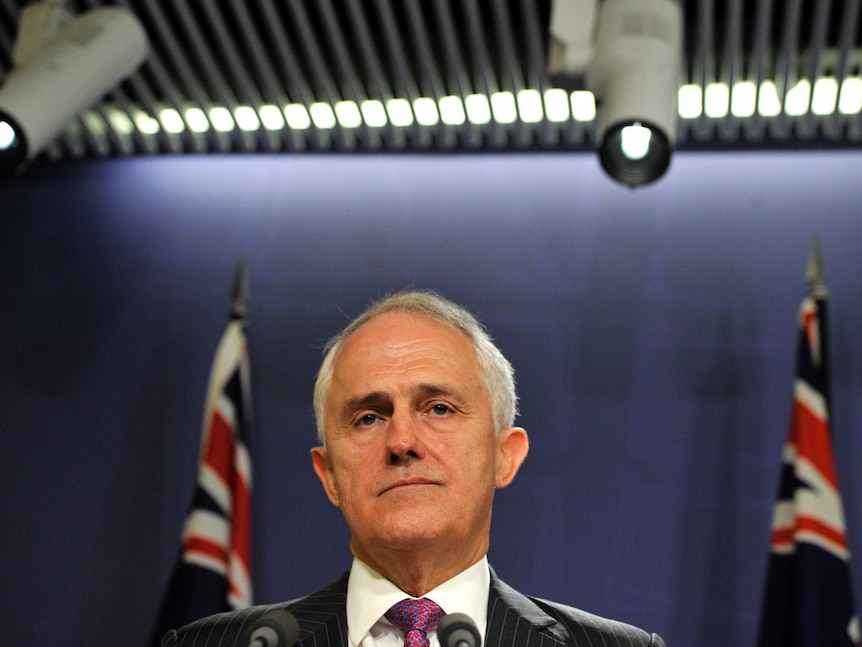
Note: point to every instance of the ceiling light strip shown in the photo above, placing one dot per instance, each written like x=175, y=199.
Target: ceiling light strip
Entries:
x=326, y=92
x=458, y=80
x=236, y=75
x=703, y=65
x=353, y=93
x=692, y=106
x=430, y=83
x=484, y=76
x=806, y=127
x=833, y=128
x=399, y=108
x=546, y=131
x=166, y=83
x=731, y=68
x=374, y=110
x=786, y=73
x=512, y=81
x=272, y=94
x=754, y=127
x=296, y=88
x=208, y=68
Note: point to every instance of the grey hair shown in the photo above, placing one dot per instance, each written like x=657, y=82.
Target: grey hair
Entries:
x=498, y=372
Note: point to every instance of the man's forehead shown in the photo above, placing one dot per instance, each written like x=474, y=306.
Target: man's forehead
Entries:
x=410, y=350
x=384, y=331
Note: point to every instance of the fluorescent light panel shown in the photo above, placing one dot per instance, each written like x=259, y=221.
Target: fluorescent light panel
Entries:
x=197, y=120
x=247, y=119
x=716, y=103
x=850, y=97
x=530, y=106
x=373, y=113
x=478, y=109
x=271, y=117
x=452, y=111
x=503, y=107
x=297, y=117
x=557, y=105
x=348, y=115
x=221, y=119
x=426, y=112
x=322, y=115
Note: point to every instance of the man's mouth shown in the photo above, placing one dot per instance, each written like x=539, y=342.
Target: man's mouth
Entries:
x=408, y=483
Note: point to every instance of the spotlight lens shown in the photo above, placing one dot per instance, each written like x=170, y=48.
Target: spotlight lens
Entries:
x=634, y=141
x=7, y=135
x=13, y=145
x=635, y=152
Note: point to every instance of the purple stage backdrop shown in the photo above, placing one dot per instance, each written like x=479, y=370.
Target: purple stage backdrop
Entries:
x=652, y=331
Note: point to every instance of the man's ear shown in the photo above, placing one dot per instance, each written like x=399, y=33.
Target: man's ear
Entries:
x=512, y=448
x=323, y=468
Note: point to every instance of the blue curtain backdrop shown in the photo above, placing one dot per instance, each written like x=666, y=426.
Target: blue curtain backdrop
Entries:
x=652, y=331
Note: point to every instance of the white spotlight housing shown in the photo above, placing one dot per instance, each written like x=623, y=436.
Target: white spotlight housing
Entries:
x=634, y=74
x=63, y=77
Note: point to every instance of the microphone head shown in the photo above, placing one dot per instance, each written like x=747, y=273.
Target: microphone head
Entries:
x=458, y=630
x=275, y=628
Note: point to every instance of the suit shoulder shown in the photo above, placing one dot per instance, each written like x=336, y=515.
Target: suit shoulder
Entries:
x=219, y=629
x=332, y=595
x=228, y=628
x=592, y=629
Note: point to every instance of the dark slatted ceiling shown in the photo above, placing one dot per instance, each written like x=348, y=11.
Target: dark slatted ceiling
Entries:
x=297, y=76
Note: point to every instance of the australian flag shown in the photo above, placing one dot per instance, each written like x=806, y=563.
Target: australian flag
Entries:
x=809, y=600
x=213, y=573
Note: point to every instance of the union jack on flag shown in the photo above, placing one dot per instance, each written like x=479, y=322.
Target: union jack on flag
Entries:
x=214, y=570
x=809, y=600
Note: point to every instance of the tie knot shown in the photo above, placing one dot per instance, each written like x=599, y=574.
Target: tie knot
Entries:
x=412, y=616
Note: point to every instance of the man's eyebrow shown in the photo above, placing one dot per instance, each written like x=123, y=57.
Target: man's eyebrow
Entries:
x=435, y=389
x=452, y=393
x=375, y=398
x=376, y=401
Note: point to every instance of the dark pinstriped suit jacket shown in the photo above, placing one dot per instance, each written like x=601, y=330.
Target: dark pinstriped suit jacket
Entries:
x=513, y=620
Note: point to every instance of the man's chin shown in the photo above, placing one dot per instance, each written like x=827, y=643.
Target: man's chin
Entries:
x=410, y=537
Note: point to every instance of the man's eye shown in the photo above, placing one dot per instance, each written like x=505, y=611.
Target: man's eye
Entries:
x=367, y=420
x=440, y=409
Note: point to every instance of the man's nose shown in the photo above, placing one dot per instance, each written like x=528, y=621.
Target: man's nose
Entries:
x=403, y=441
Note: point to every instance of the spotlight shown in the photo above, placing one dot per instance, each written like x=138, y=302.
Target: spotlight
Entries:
x=634, y=74
x=58, y=77
x=628, y=54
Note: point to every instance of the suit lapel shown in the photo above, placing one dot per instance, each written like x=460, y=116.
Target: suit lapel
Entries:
x=513, y=619
x=322, y=616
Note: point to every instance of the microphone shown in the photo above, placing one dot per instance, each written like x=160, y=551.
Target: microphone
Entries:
x=275, y=628
x=458, y=630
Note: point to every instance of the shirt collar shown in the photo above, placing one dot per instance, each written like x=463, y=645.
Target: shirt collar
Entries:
x=369, y=596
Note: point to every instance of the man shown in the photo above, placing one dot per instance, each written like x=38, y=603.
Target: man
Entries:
x=415, y=408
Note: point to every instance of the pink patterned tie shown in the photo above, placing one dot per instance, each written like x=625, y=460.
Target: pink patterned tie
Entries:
x=415, y=618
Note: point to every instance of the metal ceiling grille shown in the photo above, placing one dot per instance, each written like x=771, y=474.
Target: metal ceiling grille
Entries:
x=299, y=76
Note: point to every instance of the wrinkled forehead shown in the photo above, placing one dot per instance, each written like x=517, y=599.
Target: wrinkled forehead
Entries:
x=400, y=347
x=391, y=333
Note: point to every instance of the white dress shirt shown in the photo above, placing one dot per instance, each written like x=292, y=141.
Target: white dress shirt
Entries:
x=370, y=595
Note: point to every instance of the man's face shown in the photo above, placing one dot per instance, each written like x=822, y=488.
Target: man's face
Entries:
x=411, y=457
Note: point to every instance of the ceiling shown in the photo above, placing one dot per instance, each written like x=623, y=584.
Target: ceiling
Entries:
x=241, y=54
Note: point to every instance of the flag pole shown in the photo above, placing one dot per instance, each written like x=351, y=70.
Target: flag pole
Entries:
x=815, y=273
x=239, y=294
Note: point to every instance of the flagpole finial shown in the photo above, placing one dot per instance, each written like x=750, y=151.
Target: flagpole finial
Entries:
x=239, y=293
x=815, y=272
